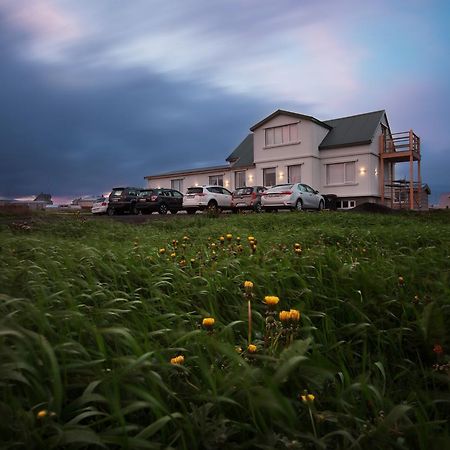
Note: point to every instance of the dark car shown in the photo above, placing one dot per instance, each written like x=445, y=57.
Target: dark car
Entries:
x=247, y=198
x=161, y=200
x=123, y=199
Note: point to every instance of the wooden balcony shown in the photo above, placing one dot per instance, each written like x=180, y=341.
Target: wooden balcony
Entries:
x=397, y=148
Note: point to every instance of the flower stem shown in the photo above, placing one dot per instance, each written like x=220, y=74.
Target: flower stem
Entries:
x=312, y=422
x=249, y=322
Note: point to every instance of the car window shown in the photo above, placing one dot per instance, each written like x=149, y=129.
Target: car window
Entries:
x=132, y=192
x=146, y=192
x=301, y=188
x=166, y=193
x=214, y=190
x=224, y=191
x=309, y=189
x=177, y=194
x=117, y=193
x=195, y=190
x=281, y=187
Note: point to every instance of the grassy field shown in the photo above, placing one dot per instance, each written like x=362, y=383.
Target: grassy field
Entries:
x=102, y=342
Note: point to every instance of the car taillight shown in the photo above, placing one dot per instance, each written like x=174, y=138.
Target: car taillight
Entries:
x=153, y=198
x=104, y=204
x=264, y=194
x=253, y=195
x=200, y=194
x=286, y=193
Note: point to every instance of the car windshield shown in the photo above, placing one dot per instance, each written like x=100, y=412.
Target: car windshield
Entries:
x=243, y=191
x=281, y=188
x=100, y=200
x=195, y=190
x=117, y=192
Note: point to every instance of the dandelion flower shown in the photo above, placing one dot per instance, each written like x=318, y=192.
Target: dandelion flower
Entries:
x=208, y=322
x=251, y=348
x=221, y=239
x=250, y=238
x=229, y=237
x=307, y=398
x=177, y=360
x=173, y=255
x=248, y=285
x=284, y=316
x=294, y=315
x=185, y=238
x=271, y=300
x=162, y=251
x=297, y=245
x=45, y=413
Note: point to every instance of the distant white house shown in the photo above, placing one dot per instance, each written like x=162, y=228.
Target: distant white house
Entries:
x=351, y=157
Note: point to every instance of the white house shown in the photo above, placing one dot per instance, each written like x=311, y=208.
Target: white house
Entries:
x=351, y=157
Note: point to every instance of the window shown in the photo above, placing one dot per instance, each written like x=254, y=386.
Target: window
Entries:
x=216, y=180
x=346, y=204
x=239, y=179
x=294, y=174
x=177, y=194
x=270, y=177
x=341, y=173
x=287, y=134
x=177, y=184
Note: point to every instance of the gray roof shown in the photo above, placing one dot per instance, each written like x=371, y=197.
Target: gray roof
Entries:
x=189, y=171
x=353, y=130
x=242, y=155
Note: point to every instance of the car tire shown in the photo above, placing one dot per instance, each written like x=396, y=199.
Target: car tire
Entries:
x=298, y=205
x=212, y=206
x=162, y=209
x=110, y=212
x=133, y=209
x=321, y=205
x=190, y=211
x=257, y=207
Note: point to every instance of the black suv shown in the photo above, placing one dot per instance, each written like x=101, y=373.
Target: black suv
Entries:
x=123, y=199
x=247, y=198
x=161, y=200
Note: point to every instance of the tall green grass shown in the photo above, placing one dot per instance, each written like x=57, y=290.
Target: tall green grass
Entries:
x=91, y=314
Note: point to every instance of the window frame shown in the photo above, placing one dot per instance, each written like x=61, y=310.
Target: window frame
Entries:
x=345, y=182
x=240, y=173
x=270, y=135
x=211, y=183
x=274, y=174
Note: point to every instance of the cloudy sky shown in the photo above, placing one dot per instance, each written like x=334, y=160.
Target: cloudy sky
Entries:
x=97, y=93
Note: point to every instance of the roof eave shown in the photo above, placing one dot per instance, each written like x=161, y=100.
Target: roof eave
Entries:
x=350, y=144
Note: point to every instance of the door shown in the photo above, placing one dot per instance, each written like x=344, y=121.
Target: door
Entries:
x=313, y=200
x=177, y=200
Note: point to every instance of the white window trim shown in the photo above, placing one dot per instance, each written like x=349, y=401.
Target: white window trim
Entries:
x=348, y=183
x=348, y=207
x=298, y=141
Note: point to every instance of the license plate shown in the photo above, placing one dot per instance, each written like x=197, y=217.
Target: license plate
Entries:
x=241, y=205
x=142, y=200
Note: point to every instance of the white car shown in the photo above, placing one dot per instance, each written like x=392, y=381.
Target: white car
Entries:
x=100, y=206
x=199, y=198
x=296, y=196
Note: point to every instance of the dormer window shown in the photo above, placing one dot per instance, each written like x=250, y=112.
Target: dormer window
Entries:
x=286, y=134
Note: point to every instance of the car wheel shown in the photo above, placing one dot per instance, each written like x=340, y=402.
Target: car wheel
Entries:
x=257, y=207
x=298, y=205
x=190, y=211
x=320, y=205
x=162, y=208
x=212, y=205
x=110, y=211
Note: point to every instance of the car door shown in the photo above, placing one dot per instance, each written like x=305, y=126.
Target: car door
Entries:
x=177, y=200
x=304, y=196
x=225, y=196
x=312, y=196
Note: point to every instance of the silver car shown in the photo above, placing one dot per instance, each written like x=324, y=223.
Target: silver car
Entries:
x=296, y=197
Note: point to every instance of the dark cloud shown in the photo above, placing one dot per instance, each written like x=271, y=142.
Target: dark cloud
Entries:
x=62, y=133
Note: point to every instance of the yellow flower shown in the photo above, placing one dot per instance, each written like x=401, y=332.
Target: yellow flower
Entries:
x=213, y=245
x=208, y=322
x=42, y=413
x=250, y=238
x=248, y=285
x=271, y=300
x=229, y=237
x=284, y=316
x=297, y=246
x=298, y=251
x=251, y=348
x=185, y=238
x=307, y=398
x=173, y=255
x=238, y=239
x=177, y=360
x=162, y=251
x=401, y=281
x=294, y=315
x=221, y=239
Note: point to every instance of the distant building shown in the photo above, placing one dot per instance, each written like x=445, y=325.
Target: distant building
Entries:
x=46, y=198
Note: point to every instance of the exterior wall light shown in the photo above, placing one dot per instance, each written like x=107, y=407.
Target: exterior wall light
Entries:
x=281, y=175
x=376, y=172
x=196, y=184
x=250, y=178
x=362, y=171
